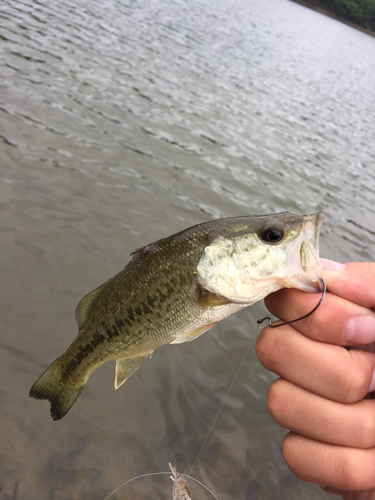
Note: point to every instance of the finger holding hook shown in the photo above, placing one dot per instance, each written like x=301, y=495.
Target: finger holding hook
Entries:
x=259, y=321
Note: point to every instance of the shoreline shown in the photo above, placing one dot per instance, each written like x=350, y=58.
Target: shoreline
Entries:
x=334, y=16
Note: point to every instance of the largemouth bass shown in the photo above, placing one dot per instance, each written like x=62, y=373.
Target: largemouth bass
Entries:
x=177, y=288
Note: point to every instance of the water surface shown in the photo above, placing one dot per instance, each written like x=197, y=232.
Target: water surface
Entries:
x=121, y=123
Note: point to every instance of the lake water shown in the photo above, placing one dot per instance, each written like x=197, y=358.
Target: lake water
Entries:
x=123, y=122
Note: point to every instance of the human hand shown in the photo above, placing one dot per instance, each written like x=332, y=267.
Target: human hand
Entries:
x=326, y=363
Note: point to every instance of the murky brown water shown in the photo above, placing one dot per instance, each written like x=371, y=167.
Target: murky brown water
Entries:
x=123, y=122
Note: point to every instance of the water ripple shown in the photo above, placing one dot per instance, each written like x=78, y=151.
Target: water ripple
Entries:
x=123, y=122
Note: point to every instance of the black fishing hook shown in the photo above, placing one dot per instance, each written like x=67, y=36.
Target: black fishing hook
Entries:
x=259, y=321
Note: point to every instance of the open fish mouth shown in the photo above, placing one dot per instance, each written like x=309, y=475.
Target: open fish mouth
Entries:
x=281, y=251
x=304, y=265
x=310, y=246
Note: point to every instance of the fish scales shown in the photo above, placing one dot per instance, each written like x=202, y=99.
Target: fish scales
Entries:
x=141, y=320
x=175, y=289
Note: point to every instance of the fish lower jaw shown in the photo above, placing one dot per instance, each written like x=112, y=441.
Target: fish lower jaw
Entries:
x=303, y=282
x=300, y=281
x=249, y=297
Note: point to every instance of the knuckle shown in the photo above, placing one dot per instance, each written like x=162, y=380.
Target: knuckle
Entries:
x=354, y=388
x=355, y=472
x=264, y=346
x=274, y=397
x=269, y=348
x=354, y=381
x=292, y=450
x=366, y=426
x=345, y=473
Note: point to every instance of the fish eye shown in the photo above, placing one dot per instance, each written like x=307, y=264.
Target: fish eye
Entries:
x=271, y=233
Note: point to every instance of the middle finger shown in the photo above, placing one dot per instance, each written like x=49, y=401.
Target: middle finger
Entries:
x=339, y=374
x=307, y=414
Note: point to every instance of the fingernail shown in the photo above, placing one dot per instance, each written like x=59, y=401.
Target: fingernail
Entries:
x=331, y=265
x=360, y=330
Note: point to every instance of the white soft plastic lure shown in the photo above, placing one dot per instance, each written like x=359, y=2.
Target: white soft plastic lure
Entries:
x=181, y=490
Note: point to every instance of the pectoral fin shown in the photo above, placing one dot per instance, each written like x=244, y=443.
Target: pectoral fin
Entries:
x=126, y=367
x=205, y=298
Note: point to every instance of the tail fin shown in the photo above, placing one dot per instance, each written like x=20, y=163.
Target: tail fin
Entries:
x=61, y=394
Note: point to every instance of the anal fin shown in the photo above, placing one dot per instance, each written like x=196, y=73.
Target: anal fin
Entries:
x=126, y=367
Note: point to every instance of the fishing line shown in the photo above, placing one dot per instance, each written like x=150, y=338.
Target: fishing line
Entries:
x=133, y=479
x=204, y=486
x=222, y=405
x=259, y=321
x=203, y=445
x=159, y=474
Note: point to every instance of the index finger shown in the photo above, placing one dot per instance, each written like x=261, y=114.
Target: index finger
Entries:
x=345, y=316
x=355, y=282
x=336, y=321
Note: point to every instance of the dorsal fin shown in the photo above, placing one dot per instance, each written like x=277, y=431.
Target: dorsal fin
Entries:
x=142, y=252
x=85, y=303
x=136, y=251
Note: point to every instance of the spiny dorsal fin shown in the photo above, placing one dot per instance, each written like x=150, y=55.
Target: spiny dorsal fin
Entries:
x=126, y=367
x=145, y=250
x=136, y=251
x=85, y=303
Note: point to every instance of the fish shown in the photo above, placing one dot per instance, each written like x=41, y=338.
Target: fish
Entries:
x=175, y=289
x=181, y=490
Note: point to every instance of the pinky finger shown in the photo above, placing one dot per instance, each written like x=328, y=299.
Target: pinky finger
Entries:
x=338, y=467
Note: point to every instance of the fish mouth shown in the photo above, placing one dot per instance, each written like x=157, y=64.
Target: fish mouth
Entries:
x=307, y=258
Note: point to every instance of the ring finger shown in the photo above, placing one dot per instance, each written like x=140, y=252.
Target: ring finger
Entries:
x=321, y=419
